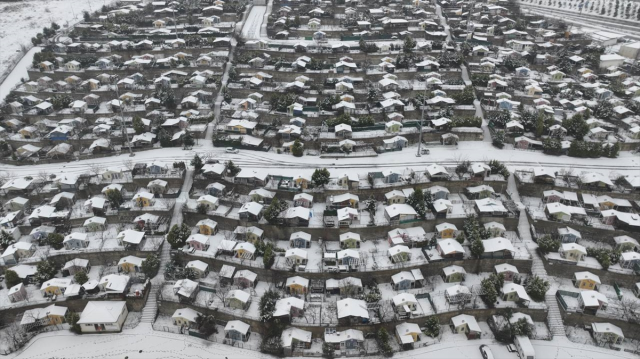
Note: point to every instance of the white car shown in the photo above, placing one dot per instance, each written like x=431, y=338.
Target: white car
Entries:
x=231, y=150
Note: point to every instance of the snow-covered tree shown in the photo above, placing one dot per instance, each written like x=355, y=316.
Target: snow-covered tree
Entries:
x=537, y=287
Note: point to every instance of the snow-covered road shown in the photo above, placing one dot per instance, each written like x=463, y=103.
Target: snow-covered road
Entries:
x=251, y=28
x=626, y=164
x=19, y=72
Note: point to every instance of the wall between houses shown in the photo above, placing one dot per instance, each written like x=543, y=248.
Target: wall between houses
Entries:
x=537, y=190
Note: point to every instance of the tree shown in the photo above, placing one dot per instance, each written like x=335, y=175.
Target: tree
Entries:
x=320, y=177
x=206, y=324
x=576, y=126
x=12, y=278
x=114, y=197
x=86, y=16
x=173, y=237
x=466, y=97
x=432, y=326
x=138, y=125
x=6, y=239
x=187, y=140
x=297, y=150
x=45, y=270
x=72, y=318
x=477, y=248
x=150, y=265
x=489, y=293
x=232, y=169
x=537, y=287
x=371, y=205
x=267, y=305
x=197, y=163
x=268, y=258
x=202, y=208
x=81, y=277
x=409, y=44
x=328, y=350
x=603, y=110
x=498, y=139
x=382, y=339
x=521, y=327
x=55, y=240
x=272, y=212
x=417, y=201
x=547, y=244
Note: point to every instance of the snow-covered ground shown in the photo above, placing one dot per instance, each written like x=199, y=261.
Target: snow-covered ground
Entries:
x=20, y=21
x=144, y=343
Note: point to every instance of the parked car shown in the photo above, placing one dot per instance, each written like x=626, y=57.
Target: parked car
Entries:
x=486, y=352
x=231, y=150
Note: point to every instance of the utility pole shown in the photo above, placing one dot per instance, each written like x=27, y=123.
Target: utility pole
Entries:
x=124, y=126
x=424, y=105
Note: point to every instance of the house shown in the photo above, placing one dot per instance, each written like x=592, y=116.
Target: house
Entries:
x=261, y=195
x=200, y=268
x=515, y=293
x=606, y=334
x=573, y=252
x=296, y=256
x=250, y=211
x=245, y=279
x=490, y=207
x=238, y=299
x=42, y=317
x=399, y=254
x=629, y=260
x=289, y=307
x=216, y=189
x=352, y=311
x=591, y=301
x=446, y=230
x=186, y=289
x=404, y=303
x=498, y=247
x=297, y=285
x=75, y=240
x=457, y=294
x=466, y=324
x=453, y=274
x=626, y=243
x=99, y=316
x=244, y=250
x=144, y=199
x=450, y=249
x=207, y=227
x=407, y=334
x=130, y=238
x=350, y=240
x=348, y=257
x=16, y=251
x=17, y=293
x=248, y=234
x=413, y=235
x=198, y=242
x=294, y=339
x=236, y=330
x=569, y=235
x=114, y=283
x=75, y=266
x=55, y=286
x=185, y=317
x=297, y=216
x=24, y=271
x=347, y=341
x=399, y=212
x=495, y=229
x=508, y=271
x=345, y=200
x=303, y=200
x=130, y=264
x=586, y=280
x=300, y=240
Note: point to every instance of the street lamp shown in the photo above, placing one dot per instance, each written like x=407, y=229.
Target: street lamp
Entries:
x=124, y=126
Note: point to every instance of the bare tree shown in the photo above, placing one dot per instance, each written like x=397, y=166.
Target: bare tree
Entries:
x=96, y=168
x=330, y=312
x=630, y=308
x=311, y=314
x=128, y=164
x=222, y=293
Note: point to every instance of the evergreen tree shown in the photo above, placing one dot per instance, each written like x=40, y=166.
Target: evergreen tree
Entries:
x=547, y=244
x=11, y=278
x=416, y=200
x=6, y=239
x=45, y=270
x=297, y=150
x=537, y=287
x=197, y=163
x=267, y=305
x=187, y=140
x=432, y=326
x=138, y=125
x=320, y=177
x=114, y=197
x=150, y=265
x=55, y=240
x=81, y=277
x=477, y=248
x=232, y=169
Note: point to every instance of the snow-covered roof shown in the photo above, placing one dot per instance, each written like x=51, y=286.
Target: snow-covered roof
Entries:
x=237, y=326
x=350, y=307
x=469, y=320
x=97, y=312
x=289, y=334
x=586, y=276
x=186, y=313
x=497, y=244
x=513, y=287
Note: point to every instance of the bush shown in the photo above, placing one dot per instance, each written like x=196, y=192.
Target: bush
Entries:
x=432, y=326
x=537, y=288
x=548, y=244
x=12, y=278
x=55, y=240
x=81, y=277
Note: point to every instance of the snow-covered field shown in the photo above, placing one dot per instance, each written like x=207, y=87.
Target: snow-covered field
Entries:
x=144, y=343
x=20, y=21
